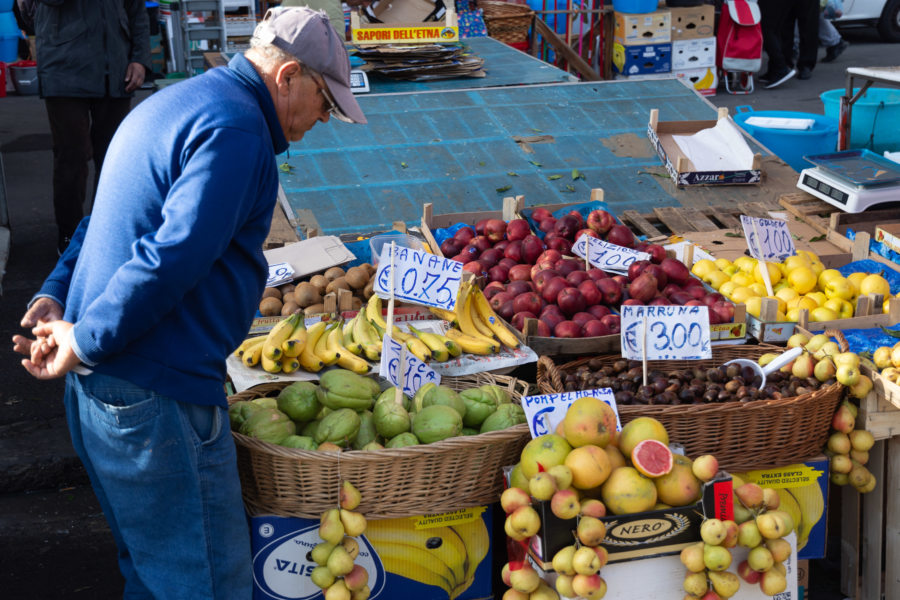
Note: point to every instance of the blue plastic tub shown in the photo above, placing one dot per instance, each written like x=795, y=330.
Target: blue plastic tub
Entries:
x=874, y=118
x=9, y=37
x=635, y=7
x=791, y=145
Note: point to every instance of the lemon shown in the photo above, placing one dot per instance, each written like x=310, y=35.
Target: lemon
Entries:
x=721, y=263
x=856, y=280
x=794, y=262
x=819, y=298
x=826, y=276
x=875, y=284
x=802, y=279
x=727, y=288
x=822, y=314
x=702, y=267
x=787, y=294
x=742, y=279
x=716, y=279
x=758, y=288
x=754, y=305
x=741, y=294
x=774, y=273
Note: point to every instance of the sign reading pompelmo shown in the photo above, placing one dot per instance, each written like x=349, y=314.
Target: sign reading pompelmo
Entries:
x=768, y=239
x=671, y=332
x=419, y=277
x=606, y=256
x=415, y=374
x=546, y=412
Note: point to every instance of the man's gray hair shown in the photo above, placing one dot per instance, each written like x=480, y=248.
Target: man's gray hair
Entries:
x=265, y=52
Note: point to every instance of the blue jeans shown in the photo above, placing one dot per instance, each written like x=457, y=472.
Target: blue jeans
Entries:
x=165, y=473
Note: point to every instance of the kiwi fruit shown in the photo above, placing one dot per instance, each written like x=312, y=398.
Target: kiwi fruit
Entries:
x=286, y=290
x=333, y=273
x=315, y=309
x=337, y=284
x=369, y=267
x=369, y=289
x=320, y=282
x=357, y=277
x=271, y=292
x=306, y=294
x=270, y=306
x=289, y=308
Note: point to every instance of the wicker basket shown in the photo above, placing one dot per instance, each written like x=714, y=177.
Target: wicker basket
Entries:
x=456, y=473
x=741, y=435
x=506, y=21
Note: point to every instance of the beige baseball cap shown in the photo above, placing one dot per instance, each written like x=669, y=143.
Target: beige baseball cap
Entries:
x=308, y=35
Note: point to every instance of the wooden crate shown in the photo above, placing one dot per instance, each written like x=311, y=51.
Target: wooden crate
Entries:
x=430, y=221
x=808, y=209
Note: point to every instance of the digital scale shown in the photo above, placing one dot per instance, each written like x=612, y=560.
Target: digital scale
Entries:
x=359, y=82
x=852, y=180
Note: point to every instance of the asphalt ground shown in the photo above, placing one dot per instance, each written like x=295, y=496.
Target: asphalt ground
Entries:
x=55, y=540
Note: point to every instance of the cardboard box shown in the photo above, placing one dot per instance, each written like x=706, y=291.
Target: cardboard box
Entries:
x=642, y=29
x=405, y=22
x=705, y=80
x=310, y=255
x=677, y=164
x=803, y=491
x=641, y=535
x=889, y=234
x=803, y=578
x=693, y=54
x=427, y=558
x=693, y=22
x=642, y=60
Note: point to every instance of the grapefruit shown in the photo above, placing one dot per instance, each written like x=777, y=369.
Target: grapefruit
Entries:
x=589, y=465
x=589, y=420
x=652, y=458
x=547, y=450
x=640, y=429
x=679, y=487
x=626, y=491
x=616, y=459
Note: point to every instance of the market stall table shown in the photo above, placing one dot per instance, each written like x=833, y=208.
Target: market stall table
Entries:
x=464, y=150
x=868, y=75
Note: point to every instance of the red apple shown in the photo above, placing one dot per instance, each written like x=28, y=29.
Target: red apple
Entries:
x=611, y=290
x=636, y=268
x=540, y=278
x=543, y=330
x=552, y=288
x=583, y=317
x=725, y=310
x=507, y=262
x=481, y=242
x=507, y=310
x=519, y=287
x=514, y=251
x=569, y=265
x=567, y=226
x=595, y=328
x=520, y=272
x=620, y=235
x=464, y=257
x=532, y=247
x=680, y=298
x=498, y=273
x=662, y=280
x=600, y=221
x=562, y=244
x=567, y=329
x=712, y=298
x=597, y=274
x=694, y=302
x=657, y=253
x=539, y=214
x=613, y=322
x=589, y=291
x=518, y=320
x=479, y=226
x=465, y=234
x=575, y=278
x=675, y=270
x=696, y=291
x=517, y=229
x=501, y=245
x=598, y=310
x=547, y=225
x=490, y=257
x=570, y=300
x=451, y=246
x=549, y=255
x=495, y=229
x=474, y=267
x=620, y=279
x=632, y=302
x=659, y=301
x=587, y=232
x=670, y=289
x=713, y=317
x=541, y=266
x=492, y=289
x=579, y=219
x=552, y=319
x=527, y=302
x=643, y=288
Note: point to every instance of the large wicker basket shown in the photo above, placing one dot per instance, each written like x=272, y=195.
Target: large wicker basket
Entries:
x=444, y=476
x=741, y=435
x=506, y=21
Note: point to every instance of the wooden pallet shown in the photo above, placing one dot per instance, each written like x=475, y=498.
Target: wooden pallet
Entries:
x=809, y=209
x=679, y=219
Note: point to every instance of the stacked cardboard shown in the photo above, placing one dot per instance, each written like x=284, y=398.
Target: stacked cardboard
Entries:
x=643, y=43
x=694, y=47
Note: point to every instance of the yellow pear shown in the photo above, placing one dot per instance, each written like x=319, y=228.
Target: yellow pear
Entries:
x=339, y=561
x=354, y=523
x=330, y=528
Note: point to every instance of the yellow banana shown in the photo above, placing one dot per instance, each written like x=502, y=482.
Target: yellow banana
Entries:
x=429, y=546
x=397, y=558
x=462, y=587
x=490, y=318
x=309, y=360
x=277, y=335
x=418, y=348
x=473, y=345
x=253, y=353
x=789, y=504
x=372, y=350
x=452, y=346
x=269, y=365
x=812, y=507
x=354, y=348
x=363, y=331
x=294, y=345
x=327, y=346
x=345, y=358
x=373, y=314
x=347, y=331
x=475, y=538
x=289, y=364
x=446, y=315
x=439, y=351
x=464, y=314
x=251, y=341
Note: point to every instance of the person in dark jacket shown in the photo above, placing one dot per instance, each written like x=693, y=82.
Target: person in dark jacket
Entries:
x=91, y=56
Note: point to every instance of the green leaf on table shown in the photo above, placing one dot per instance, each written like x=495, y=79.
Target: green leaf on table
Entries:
x=505, y=188
x=890, y=332
x=576, y=174
x=817, y=238
x=553, y=177
x=285, y=168
x=535, y=163
x=569, y=188
x=404, y=165
x=733, y=234
x=512, y=173
x=481, y=163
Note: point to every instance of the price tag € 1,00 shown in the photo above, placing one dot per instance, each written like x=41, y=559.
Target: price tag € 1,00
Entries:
x=415, y=374
x=672, y=332
x=606, y=256
x=768, y=239
x=419, y=277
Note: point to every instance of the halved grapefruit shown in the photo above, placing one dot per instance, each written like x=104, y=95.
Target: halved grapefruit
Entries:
x=652, y=458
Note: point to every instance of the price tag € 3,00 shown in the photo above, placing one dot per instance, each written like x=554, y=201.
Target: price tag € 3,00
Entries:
x=415, y=374
x=672, y=332
x=606, y=256
x=419, y=277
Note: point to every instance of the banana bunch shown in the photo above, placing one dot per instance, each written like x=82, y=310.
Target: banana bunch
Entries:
x=424, y=345
x=336, y=573
x=446, y=557
x=474, y=324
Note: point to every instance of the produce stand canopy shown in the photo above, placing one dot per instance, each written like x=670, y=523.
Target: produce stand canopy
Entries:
x=464, y=150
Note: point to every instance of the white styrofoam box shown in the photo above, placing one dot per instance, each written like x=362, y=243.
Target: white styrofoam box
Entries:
x=704, y=80
x=693, y=53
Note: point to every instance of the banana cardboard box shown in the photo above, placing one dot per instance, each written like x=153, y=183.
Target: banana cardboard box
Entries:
x=639, y=535
x=432, y=557
x=803, y=492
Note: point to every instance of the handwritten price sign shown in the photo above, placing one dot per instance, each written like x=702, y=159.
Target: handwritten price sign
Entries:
x=545, y=412
x=416, y=373
x=606, y=256
x=768, y=239
x=419, y=277
x=279, y=273
x=672, y=332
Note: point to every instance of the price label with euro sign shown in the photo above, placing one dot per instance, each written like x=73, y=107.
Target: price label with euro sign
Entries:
x=414, y=374
x=768, y=239
x=606, y=256
x=671, y=332
x=418, y=277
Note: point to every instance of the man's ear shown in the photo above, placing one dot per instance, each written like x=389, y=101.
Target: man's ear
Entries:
x=285, y=73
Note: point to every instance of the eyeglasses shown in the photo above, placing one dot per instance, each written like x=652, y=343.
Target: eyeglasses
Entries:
x=332, y=109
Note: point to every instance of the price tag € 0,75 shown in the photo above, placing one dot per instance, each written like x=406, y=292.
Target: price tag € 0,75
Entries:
x=606, y=256
x=421, y=278
x=672, y=332
x=545, y=412
x=774, y=241
x=415, y=374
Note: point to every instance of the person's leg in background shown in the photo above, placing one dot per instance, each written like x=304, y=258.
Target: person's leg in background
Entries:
x=106, y=115
x=70, y=130
x=830, y=39
x=808, y=27
x=774, y=13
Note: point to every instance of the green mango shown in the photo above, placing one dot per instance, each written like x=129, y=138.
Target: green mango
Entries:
x=373, y=446
x=444, y=396
x=240, y=411
x=436, y=422
x=300, y=442
x=391, y=419
x=479, y=404
x=419, y=399
x=367, y=432
x=505, y=416
x=390, y=395
x=501, y=395
x=309, y=430
x=340, y=388
x=470, y=431
x=339, y=427
x=298, y=401
x=402, y=440
x=265, y=402
x=269, y=425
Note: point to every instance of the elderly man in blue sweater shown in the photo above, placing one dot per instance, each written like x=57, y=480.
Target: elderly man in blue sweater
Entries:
x=162, y=282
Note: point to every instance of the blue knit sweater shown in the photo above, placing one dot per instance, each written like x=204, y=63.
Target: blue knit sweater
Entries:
x=165, y=279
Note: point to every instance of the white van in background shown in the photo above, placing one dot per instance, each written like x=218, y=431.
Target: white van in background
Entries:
x=883, y=14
